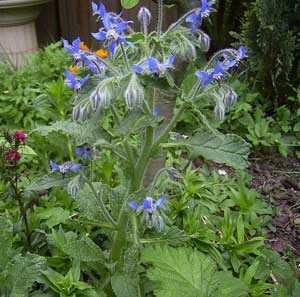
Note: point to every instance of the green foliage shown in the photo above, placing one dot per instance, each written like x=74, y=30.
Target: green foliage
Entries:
x=249, y=119
x=270, y=33
x=186, y=272
x=78, y=249
x=124, y=285
x=19, y=89
x=18, y=273
x=68, y=285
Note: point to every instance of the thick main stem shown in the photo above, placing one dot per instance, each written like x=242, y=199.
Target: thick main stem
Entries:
x=140, y=169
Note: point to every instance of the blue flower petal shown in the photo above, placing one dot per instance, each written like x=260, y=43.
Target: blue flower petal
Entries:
x=54, y=166
x=153, y=64
x=74, y=166
x=112, y=47
x=156, y=111
x=137, y=68
x=79, y=151
x=133, y=205
x=148, y=204
x=101, y=35
x=160, y=202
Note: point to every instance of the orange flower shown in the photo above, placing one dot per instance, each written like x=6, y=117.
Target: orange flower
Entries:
x=83, y=46
x=73, y=69
x=102, y=53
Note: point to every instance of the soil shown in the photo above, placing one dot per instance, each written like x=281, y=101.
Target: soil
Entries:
x=278, y=179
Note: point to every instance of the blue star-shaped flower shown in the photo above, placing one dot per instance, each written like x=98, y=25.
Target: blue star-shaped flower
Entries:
x=73, y=82
x=74, y=49
x=153, y=66
x=148, y=205
x=210, y=75
x=84, y=151
x=111, y=33
x=150, y=208
x=65, y=167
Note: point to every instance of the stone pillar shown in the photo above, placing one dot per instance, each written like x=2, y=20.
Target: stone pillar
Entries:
x=17, y=29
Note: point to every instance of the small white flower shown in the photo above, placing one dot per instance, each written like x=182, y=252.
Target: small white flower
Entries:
x=222, y=172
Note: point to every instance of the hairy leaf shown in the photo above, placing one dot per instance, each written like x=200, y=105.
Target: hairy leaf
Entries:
x=184, y=272
x=228, y=149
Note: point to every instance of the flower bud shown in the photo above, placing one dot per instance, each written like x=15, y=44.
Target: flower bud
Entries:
x=230, y=97
x=81, y=112
x=101, y=97
x=144, y=17
x=134, y=94
x=74, y=186
x=220, y=107
x=204, y=41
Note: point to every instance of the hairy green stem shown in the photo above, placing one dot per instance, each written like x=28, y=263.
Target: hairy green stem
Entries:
x=22, y=210
x=180, y=20
x=135, y=229
x=168, y=129
x=125, y=57
x=70, y=150
x=160, y=15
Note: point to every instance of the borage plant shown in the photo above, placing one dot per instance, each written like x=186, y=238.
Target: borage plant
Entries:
x=128, y=98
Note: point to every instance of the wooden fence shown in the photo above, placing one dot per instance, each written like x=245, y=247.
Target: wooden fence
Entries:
x=72, y=18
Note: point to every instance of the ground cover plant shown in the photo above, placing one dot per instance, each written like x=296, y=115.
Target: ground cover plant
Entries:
x=124, y=210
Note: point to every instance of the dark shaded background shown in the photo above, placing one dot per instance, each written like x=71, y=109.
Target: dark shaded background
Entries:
x=72, y=18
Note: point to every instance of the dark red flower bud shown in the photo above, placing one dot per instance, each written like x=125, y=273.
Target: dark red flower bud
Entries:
x=19, y=135
x=12, y=155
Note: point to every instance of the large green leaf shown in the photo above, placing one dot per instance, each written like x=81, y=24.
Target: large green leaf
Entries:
x=135, y=121
x=228, y=149
x=129, y=3
x=184, y=272
x=47, y=182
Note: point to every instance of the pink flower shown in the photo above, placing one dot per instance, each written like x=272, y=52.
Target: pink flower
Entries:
x=12, y=155
x=19, y=135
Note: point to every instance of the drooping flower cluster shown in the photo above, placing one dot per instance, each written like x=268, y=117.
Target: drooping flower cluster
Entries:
x=150, y=210
x=14, y=141
x=221, y=68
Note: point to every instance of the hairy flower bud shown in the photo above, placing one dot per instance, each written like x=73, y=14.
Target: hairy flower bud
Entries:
x=230, y=97
x=204, y=41
x=81, y=112
x=144, y=17
x=101, y=97
x=134, y=94
x=74, y=186
x=220, y=107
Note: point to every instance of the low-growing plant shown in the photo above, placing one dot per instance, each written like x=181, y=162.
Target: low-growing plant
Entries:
x=19, y=88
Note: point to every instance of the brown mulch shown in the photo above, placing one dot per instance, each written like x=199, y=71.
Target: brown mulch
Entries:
x=279, y=180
